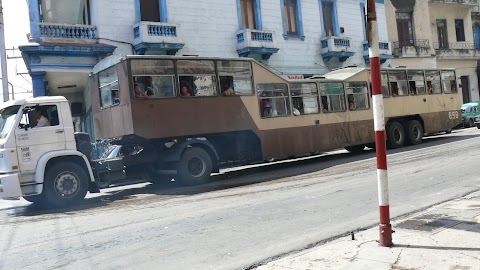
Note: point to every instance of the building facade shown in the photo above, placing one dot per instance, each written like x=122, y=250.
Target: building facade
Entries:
x=436, y=34
x=292, y=37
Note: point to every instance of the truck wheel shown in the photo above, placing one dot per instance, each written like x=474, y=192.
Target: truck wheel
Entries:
x=65, y=183
x=470, y=123
x=414, y=132
x=395, y=135
x=355, y=148
x=194, y=167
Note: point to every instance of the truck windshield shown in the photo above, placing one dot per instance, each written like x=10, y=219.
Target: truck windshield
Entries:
x=7, y=119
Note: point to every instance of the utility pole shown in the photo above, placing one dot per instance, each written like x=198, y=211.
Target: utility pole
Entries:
x=385, y=228
x=3, y=56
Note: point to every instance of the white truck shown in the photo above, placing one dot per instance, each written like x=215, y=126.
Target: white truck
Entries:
x=46, y=164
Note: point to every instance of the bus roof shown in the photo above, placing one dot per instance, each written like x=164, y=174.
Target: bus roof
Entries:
x=115, y=59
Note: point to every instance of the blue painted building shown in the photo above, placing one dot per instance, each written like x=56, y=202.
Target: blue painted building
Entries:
x=293, y=37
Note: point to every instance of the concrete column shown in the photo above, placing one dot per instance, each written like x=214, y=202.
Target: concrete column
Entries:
x=38, y=83
x=34, y=13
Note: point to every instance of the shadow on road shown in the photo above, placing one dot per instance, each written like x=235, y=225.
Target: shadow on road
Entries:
x=238, y=177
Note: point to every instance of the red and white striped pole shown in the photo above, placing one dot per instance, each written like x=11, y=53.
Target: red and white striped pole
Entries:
x=379, y=123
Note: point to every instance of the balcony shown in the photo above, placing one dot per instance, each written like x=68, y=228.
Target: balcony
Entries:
x=456, y=50
x=256, y=42
x=67, y=33
x=412, y=48
x=385, y=51
x=336, y=47
x=464, y=3
x=156, y=38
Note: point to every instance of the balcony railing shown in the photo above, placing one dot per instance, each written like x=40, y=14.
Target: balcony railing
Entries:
x=336, y=42
x=412, y=48
x=454, y=46
x=457, y=50
x=383, y=46
x=67, y=31
x=466, y=2
x=252, y=41
x=156, y=32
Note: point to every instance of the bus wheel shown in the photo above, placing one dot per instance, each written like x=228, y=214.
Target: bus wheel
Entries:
x=395, y=135
x=194, y=167
x=355, y=148
x=414, y=132
x=65, y=183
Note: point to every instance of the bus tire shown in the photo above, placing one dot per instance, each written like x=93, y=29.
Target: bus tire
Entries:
x=65, y=184
x=414, y=132
x=194, y=167
x=355, y=148
x=395, y=135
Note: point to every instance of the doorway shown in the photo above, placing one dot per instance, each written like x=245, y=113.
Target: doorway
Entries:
x=465, y=81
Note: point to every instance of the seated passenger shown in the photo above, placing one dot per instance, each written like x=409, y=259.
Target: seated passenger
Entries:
x=228, y=90
x=351, y=105
x=139, y=93
x=184, y=92
x=42, y=121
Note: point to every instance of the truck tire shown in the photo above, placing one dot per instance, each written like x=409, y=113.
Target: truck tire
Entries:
x=33, y=198
x=395, y=135
x=414, y=132
x=65, y=184
x=194, y=167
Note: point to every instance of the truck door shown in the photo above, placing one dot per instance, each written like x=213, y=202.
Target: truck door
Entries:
x=40, y=131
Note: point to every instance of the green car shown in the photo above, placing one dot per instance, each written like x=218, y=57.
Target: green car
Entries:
x=469, y=112
x=476, y=121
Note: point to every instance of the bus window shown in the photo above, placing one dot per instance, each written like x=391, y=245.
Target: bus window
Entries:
x=416, y=82
x=385, y=91
x=304, y=98
x=155, y=78
x=357, y=95
x=448, y=81
x=398, y=82
x=332, y=97
x=108, y=82
x=197, y=77
x=434, y=85
x=273, y=99
x=235, y=78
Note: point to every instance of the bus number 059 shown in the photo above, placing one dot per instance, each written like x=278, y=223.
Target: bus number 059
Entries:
x=453, y=115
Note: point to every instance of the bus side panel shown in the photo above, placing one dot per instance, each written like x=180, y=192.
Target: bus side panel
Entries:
x=165, y=118
x=441, y=121
x=297, y=141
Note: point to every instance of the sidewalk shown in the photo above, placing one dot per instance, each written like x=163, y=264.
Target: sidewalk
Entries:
x=446, y=236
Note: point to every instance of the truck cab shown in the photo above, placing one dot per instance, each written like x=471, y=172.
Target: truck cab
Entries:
x=39, y=159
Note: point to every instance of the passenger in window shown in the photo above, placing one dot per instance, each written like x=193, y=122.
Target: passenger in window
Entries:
x=453, y=87
x=267, y=108
x=116, y=99
x=227, y=89
x=184, y=92
x=139, y=93
x=394, y=87
x=42, y=121
x=429, y=87
x=351, y=105
x=324, y=105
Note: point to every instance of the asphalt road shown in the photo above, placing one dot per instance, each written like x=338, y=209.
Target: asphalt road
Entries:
x=245, y=217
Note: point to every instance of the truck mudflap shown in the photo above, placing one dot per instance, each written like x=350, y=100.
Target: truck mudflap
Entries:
x=10, y=187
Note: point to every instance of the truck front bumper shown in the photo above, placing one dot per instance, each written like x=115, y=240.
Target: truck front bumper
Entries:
x=10, y=187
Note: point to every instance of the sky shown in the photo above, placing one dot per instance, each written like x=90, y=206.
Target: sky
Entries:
x=17, y=26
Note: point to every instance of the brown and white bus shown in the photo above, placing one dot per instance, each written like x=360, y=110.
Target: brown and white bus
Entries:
x=194, y=115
